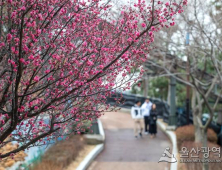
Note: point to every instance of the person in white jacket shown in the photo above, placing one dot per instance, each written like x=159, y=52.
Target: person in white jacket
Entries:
x=137, y=116
x=146, y=107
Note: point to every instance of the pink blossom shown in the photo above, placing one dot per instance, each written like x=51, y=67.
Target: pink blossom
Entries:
x=172, y=23
x=153, y=28
x=101, y=66
x=39, y=31
x=16, y=40
x=129, y=39
x=22, y=60
x=143, y=25
x=13, y=14
x=167, y=4
x=150, y=33
x=23, y=8
x=85, y=43
x=2, y=122
x=89, y=63
x=47, y=71
x=34, y=24
x=36, y=78
x=137, y=34
x=13, y=49
x=9, y=37
x=31, y=57
x=40, y=17
x=2, y=44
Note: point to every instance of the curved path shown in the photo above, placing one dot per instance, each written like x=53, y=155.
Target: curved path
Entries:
x=124, y=152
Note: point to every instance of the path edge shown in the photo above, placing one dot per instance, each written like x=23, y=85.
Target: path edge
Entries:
x=173, y=140
x=95, y=152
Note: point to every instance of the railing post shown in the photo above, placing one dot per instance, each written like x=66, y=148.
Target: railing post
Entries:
x=172, y=116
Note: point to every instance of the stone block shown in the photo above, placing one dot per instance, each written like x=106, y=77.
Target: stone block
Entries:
x=94, y=139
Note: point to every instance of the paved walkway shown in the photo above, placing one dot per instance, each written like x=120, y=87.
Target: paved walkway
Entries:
x=124, y=152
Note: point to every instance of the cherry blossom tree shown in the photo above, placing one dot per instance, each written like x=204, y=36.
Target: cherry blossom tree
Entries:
x=59, y=59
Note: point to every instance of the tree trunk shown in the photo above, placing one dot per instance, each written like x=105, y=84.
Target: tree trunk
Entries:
x=201, y=137
x=193, y=100
x=198, y=134
x=197, y=129
x=204, y=144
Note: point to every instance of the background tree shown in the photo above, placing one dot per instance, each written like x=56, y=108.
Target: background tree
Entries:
x=158, y=87
x=200, y=59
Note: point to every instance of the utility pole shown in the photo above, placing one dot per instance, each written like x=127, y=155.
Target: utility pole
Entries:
x=146, y=84
x=172, y=118
x=188, y=79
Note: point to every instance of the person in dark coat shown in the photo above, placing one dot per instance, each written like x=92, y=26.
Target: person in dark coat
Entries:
x=152, y=123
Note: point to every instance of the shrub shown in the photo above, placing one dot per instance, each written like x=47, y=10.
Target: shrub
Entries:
x=186, y=133
x=47, y=165
x=8, y=162
x=61, y=154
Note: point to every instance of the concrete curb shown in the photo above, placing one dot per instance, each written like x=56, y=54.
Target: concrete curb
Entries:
x=125, y=110
x=173, y=139
x=101, y=130
x=95, y=152
x=90, y=157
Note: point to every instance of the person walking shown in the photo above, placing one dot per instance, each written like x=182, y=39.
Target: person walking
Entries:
x=152, y=123
x=137, y=116
x=146, y=107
